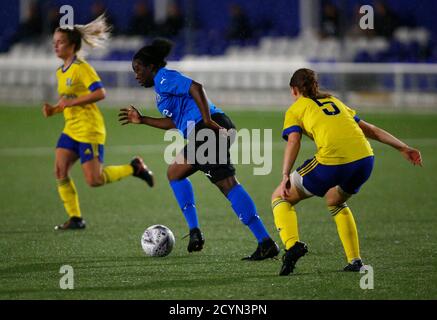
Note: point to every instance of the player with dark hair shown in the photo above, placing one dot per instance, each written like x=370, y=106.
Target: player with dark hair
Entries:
x=182, y=100
x=84, y=134
x=342, y=164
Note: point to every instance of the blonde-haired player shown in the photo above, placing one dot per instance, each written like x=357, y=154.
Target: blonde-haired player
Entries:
x=83, y=137
x=342, y=164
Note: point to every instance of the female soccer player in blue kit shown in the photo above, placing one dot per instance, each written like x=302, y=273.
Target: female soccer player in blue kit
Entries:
x=342, y=164
x=181, y=100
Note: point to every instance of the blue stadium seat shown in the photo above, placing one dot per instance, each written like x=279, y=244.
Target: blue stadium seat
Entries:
x=363, y=57
x=388, y=82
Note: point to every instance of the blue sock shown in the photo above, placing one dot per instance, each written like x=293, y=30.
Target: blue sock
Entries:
x=245, y=209
x=183, y=191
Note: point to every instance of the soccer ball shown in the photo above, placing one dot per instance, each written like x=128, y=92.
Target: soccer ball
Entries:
x=157, y=241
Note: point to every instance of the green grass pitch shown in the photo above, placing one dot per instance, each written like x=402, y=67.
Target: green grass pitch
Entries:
x=395, y=213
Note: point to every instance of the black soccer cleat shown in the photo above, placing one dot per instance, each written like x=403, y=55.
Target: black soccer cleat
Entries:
x=266, y=249
x=291, y=256
x=197, y=240
x=74, y=223
x=141, y=171
x=355, y=266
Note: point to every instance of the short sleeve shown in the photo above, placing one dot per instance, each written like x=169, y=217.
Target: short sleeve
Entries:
x=291, y=124
x=90, y=78
x=175, y=83
x=353, y=113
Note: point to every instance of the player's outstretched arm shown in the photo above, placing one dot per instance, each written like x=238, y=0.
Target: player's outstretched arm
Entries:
x=133, y=115
x=373, y=132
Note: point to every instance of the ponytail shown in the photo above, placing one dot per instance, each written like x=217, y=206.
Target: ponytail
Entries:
x=155, y=53
x=95, y=34
x=305, y=80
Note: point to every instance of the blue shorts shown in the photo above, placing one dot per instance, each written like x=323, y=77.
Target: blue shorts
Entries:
x=86, y=151
x=319, y=178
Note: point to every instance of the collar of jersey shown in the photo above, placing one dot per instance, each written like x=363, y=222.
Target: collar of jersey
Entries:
x=158, y=74
x=74, y=59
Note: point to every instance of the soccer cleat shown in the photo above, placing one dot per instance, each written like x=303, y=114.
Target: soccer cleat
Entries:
x=291, y=256
x=197, y=240
x=74, y=223
x=266, y=249
x=141, y=171
x=355, y=266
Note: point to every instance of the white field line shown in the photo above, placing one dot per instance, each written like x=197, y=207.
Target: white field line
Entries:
x=159, y=148
x=44, y=151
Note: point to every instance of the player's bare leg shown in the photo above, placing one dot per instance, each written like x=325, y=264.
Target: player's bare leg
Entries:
x=226, y=184
x=294, y=197
x=335, y=196
x=180, y=169
x=93, y=172
x=64, y=161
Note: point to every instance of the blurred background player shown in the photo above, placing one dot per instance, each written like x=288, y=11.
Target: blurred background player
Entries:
x=79, y=88
x=174, y=22
x=342, y=164
x=180, y=100
x=142, y=21
x=239, y=25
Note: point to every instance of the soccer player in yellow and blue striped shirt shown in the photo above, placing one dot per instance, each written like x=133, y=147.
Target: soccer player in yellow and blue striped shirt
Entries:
x=84, y=134
x=342, y=164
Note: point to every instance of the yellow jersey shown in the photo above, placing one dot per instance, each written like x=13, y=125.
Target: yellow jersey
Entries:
x=82, y=123
x=333, y=127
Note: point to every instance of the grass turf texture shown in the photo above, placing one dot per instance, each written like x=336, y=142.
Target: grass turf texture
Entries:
x=395, y=214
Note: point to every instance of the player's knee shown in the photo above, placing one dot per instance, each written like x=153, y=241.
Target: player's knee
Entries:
x=226, y=184
x=94, y=181
x=336, y=196
x=276, y=194
x=336, y=200
x=60, y=172
x=171, y=174
x=223, y=188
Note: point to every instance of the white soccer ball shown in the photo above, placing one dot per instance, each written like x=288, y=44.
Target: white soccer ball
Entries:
x=157, y=241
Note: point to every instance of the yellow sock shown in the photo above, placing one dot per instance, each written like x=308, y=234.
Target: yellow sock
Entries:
x=67, y=192
x=286, y=222
x=347, y=230
x=115, y=173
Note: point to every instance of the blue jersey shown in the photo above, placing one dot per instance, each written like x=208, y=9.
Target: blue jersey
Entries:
x=174, y=101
